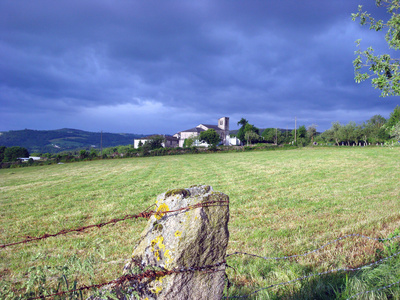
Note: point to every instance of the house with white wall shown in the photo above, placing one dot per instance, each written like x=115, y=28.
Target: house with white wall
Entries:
x=222, y=128
x=177, y=140
x=169, y=141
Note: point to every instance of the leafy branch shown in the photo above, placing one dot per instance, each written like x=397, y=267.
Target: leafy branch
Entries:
x=382, y=69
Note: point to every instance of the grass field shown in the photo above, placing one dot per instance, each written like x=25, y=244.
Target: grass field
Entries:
x=281, y=203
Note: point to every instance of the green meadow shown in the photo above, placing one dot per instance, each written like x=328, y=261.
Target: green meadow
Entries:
x=281, y=203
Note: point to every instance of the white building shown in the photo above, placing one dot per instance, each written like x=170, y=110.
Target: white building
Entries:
x=177, y=140
x=169, y=141
x=23, y=159
x=222, y=129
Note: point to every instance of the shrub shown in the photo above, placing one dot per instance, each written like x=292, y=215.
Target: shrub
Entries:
x=12, y=153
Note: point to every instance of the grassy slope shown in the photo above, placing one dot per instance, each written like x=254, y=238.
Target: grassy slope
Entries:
x=282, y=203
x=43, y=141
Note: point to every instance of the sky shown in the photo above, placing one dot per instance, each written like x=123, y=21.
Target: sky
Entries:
x=146, y=66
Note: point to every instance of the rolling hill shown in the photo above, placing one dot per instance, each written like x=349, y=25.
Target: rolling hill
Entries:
x=54, y=141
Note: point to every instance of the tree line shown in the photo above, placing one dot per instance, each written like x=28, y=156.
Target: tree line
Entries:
x=375, y=130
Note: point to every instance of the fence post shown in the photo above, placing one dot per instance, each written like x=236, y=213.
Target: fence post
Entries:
x=191, y=243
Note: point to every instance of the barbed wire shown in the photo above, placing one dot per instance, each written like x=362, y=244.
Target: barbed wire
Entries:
x=316, y=250
x=319, y=274
x=152, y=274
x=376, y=290
x=145, y=214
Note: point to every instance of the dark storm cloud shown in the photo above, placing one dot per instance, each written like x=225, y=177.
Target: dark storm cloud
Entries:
x=115, y=65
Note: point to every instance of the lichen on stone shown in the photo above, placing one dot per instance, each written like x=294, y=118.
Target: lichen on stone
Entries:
x=158, y=227
x=185, y=239
x=183, y=192
x=158, y=241
x=160, y=211
x=215, y=196
x=207, y=188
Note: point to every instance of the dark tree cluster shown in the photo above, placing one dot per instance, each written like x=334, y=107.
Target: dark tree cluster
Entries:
x=11, y=154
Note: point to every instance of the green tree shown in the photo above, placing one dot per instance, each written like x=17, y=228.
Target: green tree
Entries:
x=251, y=133
x=383, y=70
x=273, y=135
x=287, y=136
x=395, y=131
x=242, y=122
x=373, y=130
x=155, y=142
x=345, y=133
x=211, y=137
x=312, y=131
x=83, y=154
x=333, y=133
x=357, y=134
x=2, y=149
x=188, y=142
x=377, y=121
x=241, y=132
x=12, y=153
x=302, y=131
x=93, y=153
x=251, y=137
x=349, y=133
x=394, y=117
x=248, y=127
x=269, y=135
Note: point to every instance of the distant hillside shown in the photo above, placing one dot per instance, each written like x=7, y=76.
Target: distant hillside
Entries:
x=53, y=141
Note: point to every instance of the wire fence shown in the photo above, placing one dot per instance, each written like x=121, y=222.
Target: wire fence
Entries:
x=318, y=249
x=321, y=274
x=145, y=214
x=152, y=274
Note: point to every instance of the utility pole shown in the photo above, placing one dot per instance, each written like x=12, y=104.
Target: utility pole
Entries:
x=276, y=136
x=101, y=143
x=295, y=130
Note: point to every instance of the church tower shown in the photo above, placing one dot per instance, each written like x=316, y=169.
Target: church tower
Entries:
x=223, y=124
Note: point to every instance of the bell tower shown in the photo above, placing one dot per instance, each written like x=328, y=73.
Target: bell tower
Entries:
x=223, y=124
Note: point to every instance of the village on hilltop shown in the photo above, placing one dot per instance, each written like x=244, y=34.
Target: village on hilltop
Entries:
x=178, y=139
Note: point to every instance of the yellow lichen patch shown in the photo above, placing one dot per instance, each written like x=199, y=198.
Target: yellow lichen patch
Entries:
x=160, y=279
x=157, y=289
x=157, y=254
x=168, y=256
x=160, y=211
x=158, y=241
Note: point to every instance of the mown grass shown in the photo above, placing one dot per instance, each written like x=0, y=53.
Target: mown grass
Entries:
x=281, y=203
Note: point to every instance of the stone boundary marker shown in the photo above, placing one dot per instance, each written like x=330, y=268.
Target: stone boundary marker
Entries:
x=182, y=240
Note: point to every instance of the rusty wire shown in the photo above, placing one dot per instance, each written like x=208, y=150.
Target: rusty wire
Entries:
x=318, y=249
x=152, y=274
x=145, y=214
x=367, y=266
